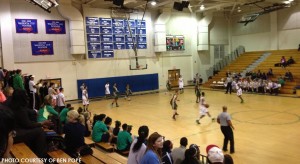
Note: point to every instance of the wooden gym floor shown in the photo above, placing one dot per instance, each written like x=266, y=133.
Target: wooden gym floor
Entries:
x=267, y=128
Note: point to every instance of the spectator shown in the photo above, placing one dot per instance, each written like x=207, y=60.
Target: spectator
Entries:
x=115, y=132
x=74, y=133
x=43, y=91
x=7, y=131
x=270, y=72
x=196, y=147
x=61, y=103
x=8, y=92
x=18, y=80
x=283, y=62
x=290, y=61
x=153, y=152
x=100, y=132
x=214, y=154
x=281, y=81
x=87, y=124
x=108, y=122
x=299, y=47
x=190, y=157
x=166, y=152
x=178, y=153
x=228, y=159
x=138, y=147
x=63, y=113
x=124, y=139
x=288, y=75
x=46, y=110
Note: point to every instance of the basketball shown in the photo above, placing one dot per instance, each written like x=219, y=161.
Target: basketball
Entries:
x=206, y=105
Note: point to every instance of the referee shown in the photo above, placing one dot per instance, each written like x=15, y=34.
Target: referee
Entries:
x=224, y=120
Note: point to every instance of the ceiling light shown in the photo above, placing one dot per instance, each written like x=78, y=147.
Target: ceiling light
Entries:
x=153, y=2
x=291, y=0
x=202, y=7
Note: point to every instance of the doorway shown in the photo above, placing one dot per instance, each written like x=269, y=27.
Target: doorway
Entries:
x=173, y=76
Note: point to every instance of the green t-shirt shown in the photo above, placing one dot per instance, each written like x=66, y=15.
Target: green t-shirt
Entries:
x=124, y=138
x=63, y=115
x=44, y=112
x=98, y=130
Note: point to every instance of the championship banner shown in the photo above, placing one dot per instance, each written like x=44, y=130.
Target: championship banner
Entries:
x=26, y=25
x=118, y=23
x=119, y=46
x=142, y=46
x=42, y=47
x=55, y=27
x=94, y=21
x=94, y=54
x=107, y=54
x=140, y=23
x=105, y=22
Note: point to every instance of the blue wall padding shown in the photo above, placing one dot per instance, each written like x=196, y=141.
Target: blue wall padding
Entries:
x=137, y=83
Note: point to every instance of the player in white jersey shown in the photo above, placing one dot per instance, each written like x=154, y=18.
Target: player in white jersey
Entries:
x=239, y=93
x=107, y=91
x=203, y=109
x=180, y=83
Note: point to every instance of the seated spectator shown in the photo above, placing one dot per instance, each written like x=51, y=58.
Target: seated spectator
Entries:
x=270, y=72
x=228, y=159
x=166, y=152
x=275, y=88
x=46, y=110
x=288, y=75
x=63, y=113
x=124, y=139
x=108, y=122
x=154, y=146
x=196, y=147
x=115, y=132
x=178, y=153
x=87, y=124
x=138, y=147
x=290, y=61
x=74, y=133
x=283, y=62
x=281, y=81
x=7, y=131
x=100, y=132
x=190, y=157
x=214, y=154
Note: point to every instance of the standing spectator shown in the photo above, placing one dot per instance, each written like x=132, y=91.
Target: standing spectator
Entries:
x=153, y=152
x=34, y=100
x=52, y=92
x=43, y=91
x=180, y=83
x=224, y=120
x=61, y=102
x=138, y=147
x=107, y=91
x=116, y=95
x=46, y=110
x=18, y=80
x=124, y=139
x=228, y=82
x=85, y=99
x=214, y=154
x=166, y=152
x=178, y=153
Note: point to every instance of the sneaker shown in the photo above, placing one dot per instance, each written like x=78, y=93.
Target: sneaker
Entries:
x=174, y=117
x=213, y=119
x=117, y=105
x=176, y=113
x=197, y=121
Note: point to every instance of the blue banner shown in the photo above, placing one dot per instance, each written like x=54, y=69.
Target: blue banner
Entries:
x=55, y=27
x=107, y=46
x=141, y=31
x=105, y=30
x=140, y=23
x=26, y=26
x=129, y=39
x=142, y=46
x=94, y=54
x=118, y=22
x=118, y=38
x=92, y=29
x=127, y=31
x=119, y=46
x=129, y=45
x=141, y=38
x=93, y=46
x=105, y=22
x=92, y=21
x=42, y=47
x=131, y=23
x=118, y=30
x=93, y=37
x=107, y=54
x=106, y=38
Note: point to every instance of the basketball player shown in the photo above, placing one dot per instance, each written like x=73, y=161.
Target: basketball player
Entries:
x=180, y=83
x=174, y=104
x=239, y=93
x=198, y=93
x=107, y=91
x=116, y=95
x=203, y=109
x=128, y=92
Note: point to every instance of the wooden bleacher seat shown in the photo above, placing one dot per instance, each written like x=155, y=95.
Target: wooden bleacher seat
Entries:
x=104, y=157
x=59, y=154
x=89, y=159
x=89, y=141
x=105, y=146
x=22, y=151
x=118, y=157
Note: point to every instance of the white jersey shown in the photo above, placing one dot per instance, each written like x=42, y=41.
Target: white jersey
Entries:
x=60, y=99
x=85, y=97
x=239, y=92
x=180, y=81
x=31, y=88
x=107, y=91
x=202, y=110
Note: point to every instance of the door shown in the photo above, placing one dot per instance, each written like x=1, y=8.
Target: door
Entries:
x=173, y=76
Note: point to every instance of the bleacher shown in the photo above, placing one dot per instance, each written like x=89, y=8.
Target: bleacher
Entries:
x=243, y=61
